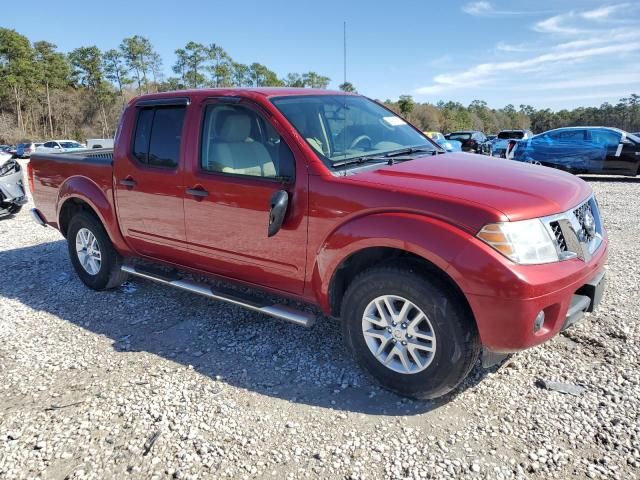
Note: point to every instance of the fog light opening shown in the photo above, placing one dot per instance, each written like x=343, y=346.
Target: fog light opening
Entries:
x=538, y=322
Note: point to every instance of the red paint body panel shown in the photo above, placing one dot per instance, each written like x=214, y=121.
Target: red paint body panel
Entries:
x=431, y=206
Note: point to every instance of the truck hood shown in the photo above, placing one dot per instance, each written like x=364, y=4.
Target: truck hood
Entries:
x=517, y=190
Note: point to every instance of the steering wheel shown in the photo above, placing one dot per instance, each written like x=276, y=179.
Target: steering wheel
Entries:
x=358, y=140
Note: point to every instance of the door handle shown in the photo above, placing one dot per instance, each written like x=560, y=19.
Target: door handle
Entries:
x=197, y=192
x=128, y=182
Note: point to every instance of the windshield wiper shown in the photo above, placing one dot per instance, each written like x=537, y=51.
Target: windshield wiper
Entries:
x=359, y=160
x=409, y=151
x=390, y=158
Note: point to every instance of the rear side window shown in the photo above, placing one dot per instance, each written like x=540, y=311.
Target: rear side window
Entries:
x=158, y=136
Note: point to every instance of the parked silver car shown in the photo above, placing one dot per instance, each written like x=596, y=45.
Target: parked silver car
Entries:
x=12, y=193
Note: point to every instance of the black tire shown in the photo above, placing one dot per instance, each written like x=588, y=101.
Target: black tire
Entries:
x=457, y=342
x=109, y=275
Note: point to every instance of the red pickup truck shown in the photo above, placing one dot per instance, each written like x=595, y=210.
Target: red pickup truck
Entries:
x=427, y=258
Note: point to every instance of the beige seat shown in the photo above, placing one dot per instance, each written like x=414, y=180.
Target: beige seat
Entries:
x=234, y=151
x=299, y=120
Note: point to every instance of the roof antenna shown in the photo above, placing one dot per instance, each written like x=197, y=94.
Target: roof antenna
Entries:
x=345, y=51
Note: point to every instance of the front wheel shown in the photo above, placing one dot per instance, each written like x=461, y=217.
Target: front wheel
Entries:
x=92, y=254
x=410, y=332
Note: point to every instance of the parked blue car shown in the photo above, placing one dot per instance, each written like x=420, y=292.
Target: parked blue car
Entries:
x=599, y=150
x=448, y=145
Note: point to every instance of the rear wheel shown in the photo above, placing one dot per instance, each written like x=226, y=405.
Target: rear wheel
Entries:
x=92, y=254
x=410, y=332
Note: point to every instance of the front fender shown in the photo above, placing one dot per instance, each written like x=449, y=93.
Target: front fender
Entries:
x=84, y=189
x=434, y=240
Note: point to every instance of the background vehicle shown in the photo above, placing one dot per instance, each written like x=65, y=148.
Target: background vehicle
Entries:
x=582, y=150
x=60, y=146
x=25, y=150
x=12, y=195
x=332, y=199
x=498, y=146
x=448, y=145
x=99, y=143
x=13, y=150
x=471, y=140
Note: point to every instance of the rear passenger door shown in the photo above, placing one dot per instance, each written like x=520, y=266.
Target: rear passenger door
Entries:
x=149, y=181
x=242, y=160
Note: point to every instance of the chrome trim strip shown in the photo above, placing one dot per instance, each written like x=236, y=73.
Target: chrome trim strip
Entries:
x=283, y=312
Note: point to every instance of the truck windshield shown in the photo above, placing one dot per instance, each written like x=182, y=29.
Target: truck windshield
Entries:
x=343, y=127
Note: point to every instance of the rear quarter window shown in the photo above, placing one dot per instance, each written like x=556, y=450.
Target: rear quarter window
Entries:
x=158, y=136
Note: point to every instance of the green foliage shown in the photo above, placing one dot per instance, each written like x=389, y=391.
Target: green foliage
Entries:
x=406, y=104
x=347, y=87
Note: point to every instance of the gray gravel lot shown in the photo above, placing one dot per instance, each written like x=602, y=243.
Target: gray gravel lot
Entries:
x=150, y=382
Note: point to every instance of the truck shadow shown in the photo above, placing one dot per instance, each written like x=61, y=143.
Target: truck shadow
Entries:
x=221, y=341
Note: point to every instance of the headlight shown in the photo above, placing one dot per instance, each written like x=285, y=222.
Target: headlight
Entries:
x=525, y=242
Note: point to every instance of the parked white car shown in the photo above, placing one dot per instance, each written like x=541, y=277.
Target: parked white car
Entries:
x=60, y=146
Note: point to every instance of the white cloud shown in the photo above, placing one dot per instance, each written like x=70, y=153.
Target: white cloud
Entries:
x=575, y=22
x=486, y=9
x=485, y=72
x=477, y=8
x=617, y=35
x=602, y=12
x=507, y=47
x=593, y=80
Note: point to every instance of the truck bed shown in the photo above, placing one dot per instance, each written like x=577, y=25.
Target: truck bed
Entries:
x=52, y=170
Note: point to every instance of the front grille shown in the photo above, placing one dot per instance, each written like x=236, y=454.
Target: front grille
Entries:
x=560, y=240
x=577, y=232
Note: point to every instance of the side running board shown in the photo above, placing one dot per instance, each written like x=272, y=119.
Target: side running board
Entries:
x=255, y=303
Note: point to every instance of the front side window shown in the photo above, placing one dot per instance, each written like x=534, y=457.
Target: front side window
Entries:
x=237, y=140
x=608, y=138
x=343, y=127
x=158, y=136
x=571, y=135
x=70, y=145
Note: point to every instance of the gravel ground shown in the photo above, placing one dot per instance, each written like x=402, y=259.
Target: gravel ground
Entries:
x=150, y=382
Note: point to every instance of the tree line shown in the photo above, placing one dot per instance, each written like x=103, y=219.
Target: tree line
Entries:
x=45, y=93
x=452, y=116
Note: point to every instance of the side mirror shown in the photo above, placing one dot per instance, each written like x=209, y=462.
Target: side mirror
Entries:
x=279, y=204
x=57, y=147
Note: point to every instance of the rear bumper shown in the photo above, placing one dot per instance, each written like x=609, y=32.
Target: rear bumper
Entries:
x=506, y=299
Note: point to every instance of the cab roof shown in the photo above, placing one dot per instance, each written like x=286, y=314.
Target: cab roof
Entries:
x=241, y=92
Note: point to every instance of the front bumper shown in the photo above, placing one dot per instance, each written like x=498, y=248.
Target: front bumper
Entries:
x=506, y=298
x=12, y=188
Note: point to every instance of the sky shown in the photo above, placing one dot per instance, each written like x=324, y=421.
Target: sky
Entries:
x=545, y=53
